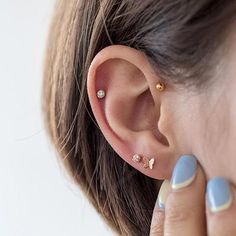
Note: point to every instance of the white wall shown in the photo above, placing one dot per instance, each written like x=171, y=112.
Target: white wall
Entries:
x=36, y=198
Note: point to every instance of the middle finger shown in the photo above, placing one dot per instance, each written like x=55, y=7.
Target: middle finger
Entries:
x=185, y=205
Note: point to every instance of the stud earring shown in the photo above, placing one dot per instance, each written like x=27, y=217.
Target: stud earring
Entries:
x=148, y=163
x=101, y=93
x=160, y=87
x=136, y=158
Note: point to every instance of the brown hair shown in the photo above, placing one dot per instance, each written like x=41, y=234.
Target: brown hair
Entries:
x=179, y=37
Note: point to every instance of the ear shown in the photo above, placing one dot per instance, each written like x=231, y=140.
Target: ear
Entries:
x=130, y=114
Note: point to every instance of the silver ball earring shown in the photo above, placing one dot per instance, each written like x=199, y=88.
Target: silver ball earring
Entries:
x=101, y=93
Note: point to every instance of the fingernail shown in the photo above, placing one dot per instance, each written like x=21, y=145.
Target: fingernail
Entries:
x=163, y=193
x=184, y=172
x=218, y=194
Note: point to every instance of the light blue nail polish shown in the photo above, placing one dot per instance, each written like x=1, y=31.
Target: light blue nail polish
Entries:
x=164, y=191
x=159, y=205
x=218, y=194
x=184, y=172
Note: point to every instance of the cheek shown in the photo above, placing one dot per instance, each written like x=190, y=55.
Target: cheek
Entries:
x=200, y=133
x=187, y=126
x=204, y=128
x=215, y=145
x=229, y=149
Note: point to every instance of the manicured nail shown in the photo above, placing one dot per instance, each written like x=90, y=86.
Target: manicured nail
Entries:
x=184, y=172
x=218, y=194
x=163, y=193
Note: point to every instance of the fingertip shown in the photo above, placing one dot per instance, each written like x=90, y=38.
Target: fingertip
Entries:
x=184, y=172
x=219, y=195
x=221, y=207
x=163, y=194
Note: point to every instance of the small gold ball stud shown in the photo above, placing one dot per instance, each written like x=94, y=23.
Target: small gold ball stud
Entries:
x=160, y=87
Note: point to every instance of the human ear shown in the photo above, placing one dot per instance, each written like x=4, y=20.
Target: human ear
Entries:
x=129, y=115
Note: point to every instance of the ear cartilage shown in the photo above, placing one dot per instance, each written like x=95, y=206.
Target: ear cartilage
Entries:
x=136, y=158
x=160, y=87
x=101, y=93
x=148, y=163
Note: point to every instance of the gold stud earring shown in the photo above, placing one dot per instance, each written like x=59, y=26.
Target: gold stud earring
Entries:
x=160, y=87
x=148, y=163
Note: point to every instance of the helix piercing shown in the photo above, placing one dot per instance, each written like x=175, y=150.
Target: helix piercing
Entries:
x=160, y=87
x=101, y=93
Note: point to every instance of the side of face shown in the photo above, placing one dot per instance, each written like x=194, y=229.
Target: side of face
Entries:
x=215, y=128
x=137, y=119
x=209, y=118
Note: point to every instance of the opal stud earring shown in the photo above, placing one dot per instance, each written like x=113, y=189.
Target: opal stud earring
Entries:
x=136, y=158
x=160, y=87
x=101, y=93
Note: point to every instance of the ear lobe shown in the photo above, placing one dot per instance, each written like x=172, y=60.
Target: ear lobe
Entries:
x=128, y=115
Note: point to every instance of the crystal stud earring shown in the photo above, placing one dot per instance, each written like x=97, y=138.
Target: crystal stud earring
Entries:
x=101, y=93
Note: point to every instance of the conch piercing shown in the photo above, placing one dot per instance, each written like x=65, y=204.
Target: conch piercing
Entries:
x=101, y=93
x=160, y=87
x=146, y=162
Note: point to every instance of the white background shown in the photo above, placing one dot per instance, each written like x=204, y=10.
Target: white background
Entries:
x=36, y=198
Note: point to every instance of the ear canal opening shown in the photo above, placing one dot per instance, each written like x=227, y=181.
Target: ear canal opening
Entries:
x=161, y=137
x=157, y=133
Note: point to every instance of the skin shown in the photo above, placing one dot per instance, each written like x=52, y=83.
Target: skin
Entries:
x=183, y=217
x=135, y=118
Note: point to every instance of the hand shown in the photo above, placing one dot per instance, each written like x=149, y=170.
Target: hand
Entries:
x=184, y=208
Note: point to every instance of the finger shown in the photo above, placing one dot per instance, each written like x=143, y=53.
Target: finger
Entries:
x=221, y=208
x=157, y=222
x=158, y=217
x=185, y=205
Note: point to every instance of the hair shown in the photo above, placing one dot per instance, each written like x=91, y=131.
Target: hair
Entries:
x=181, y=39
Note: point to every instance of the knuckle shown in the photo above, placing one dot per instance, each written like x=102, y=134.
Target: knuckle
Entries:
x=157, y=223
x=178, y=213
x=156, y=230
